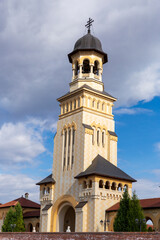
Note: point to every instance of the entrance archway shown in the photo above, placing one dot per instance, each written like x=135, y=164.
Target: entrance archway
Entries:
x=66, y=217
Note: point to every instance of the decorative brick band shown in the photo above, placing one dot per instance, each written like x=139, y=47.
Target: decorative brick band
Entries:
x=79, y=236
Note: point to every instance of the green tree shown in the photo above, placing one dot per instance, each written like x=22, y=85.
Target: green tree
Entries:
x=121, y=223
x=129, y=211
x=14, y=217
x=19, y=219
x=10, y=219
x=136, y=212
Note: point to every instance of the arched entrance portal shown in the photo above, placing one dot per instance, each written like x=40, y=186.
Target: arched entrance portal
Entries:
x=66, y=217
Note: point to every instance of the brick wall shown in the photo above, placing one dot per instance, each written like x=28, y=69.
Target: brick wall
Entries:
x=79, y=236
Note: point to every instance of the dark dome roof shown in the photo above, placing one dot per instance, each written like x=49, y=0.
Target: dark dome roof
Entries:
x=88, y=42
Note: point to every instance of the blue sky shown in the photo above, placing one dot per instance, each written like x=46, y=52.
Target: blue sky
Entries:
x=35, y=38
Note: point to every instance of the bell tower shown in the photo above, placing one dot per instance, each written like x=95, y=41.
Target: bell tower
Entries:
x=87, y=60
x=85, y=179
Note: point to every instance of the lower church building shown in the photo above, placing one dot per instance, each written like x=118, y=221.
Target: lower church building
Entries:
x=85, y=180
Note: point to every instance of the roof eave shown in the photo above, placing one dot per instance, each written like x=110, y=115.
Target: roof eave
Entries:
x=103, y=175
x=88, y=49
x=86, y=89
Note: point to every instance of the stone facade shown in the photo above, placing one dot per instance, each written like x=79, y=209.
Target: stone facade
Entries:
x=85, y=129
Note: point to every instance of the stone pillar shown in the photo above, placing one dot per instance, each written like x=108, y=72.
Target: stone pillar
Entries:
x=80, y=71
x=91, y=75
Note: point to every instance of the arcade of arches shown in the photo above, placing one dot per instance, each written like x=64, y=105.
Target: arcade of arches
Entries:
x=151, y=209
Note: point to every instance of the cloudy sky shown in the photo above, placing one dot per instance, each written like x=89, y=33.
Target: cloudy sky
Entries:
x=35, y=38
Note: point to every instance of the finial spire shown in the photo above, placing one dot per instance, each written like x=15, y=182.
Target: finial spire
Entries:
x=89, y=24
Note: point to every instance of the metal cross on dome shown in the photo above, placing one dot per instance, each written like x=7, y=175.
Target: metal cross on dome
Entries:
x=89, y=24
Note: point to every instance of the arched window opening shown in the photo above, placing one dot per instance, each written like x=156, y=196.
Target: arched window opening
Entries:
x=101, y=184
x=84, y=185
x=90, y=184
x=74, y=104
x=113, y=187
x=88, y=102
x=125, y=187
x=97, y=105
x=69, y=143
x=76, y=68
x=93, y=103
x=103, y=139
x=98, y=137
x=93, y=136
x=107, y=185
x=73, y=143
x=65, y=143
x=37, y=227
x=70, y=106
x=149, y=224
x=78, y=102
x=120, y=187
x=95, y=68
x=44, y=191
x=63, y=108
x=48, y=190
x=102, y=106
x=67, y=107
x=86, y=66
x=30, y=227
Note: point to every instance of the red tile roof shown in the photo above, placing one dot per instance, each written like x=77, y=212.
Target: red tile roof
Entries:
x=25, y=203
x=32, y=214
x=145, y=203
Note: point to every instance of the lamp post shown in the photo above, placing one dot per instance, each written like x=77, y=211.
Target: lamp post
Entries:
x=13, y=226
x=104, y=222
x=140, y=222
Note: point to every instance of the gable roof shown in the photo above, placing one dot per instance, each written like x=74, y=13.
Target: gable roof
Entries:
x=48, y=179
x=145, y=203
x=25, y=203
x=102, y=167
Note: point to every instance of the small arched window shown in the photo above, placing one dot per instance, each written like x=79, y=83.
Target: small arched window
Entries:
x=70, y=106
x=98, y=105
x=102, y=106
x=120, y=187
x=74, y=104
x=98, y=137
x=86, y=66
x=125, y=187
x=78, y=102
x=101, y=184
x=90, y=184
x=63, y=108
x=76, y=68
x=48, y=190
x=67, y=107
x=107, y=185
x=95, y=68
x=113, y=187
x=44, y=191
x=84, y=185
x=103, y=138
x=93, y=103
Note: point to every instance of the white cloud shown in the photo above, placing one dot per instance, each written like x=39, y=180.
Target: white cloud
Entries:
x=19, y=143
x=157, y=173
x=146, y=188
x=35, y=41
x=157, y=146
x=14, y=186
x=132, y=111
